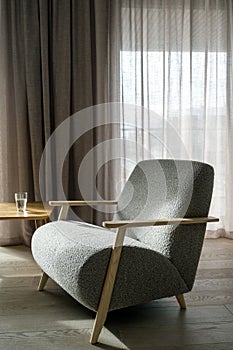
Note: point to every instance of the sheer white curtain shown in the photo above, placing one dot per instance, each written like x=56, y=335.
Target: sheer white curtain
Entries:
x=176, y=60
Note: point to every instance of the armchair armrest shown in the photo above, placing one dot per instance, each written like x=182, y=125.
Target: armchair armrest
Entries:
x=159, y=222
x=66, y=204
x=81, y=203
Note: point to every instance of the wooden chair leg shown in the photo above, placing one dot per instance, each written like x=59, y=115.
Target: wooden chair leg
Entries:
x=43, y=280
x=181, y=301
x=98, y=325
x=108, y=287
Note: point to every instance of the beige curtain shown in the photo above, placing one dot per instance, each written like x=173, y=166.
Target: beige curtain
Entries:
x=54, y=57
x=173, y=58
x=176, y=60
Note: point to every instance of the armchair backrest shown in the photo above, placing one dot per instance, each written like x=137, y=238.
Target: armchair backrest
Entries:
x=169, y=189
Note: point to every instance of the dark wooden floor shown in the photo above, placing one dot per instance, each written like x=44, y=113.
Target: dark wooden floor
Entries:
x=53, y=320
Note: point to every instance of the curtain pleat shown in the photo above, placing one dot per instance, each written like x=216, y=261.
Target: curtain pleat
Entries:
x=54, y=62
x=176, y=61
x=173, y=58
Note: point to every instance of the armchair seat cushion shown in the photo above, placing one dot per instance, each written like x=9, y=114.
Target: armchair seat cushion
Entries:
x=76, y=255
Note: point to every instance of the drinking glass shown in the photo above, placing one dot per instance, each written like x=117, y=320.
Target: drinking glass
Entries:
x=21, y=201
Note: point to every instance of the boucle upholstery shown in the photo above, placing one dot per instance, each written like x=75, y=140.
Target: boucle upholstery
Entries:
x=169, y=189
x=76, y=257
x=156, y=262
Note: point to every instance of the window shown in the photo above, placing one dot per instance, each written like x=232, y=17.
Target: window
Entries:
x=173, y=61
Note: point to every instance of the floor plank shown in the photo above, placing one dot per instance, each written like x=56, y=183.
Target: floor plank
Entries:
x=53, y=320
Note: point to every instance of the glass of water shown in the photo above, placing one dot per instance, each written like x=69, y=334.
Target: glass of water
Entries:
x=21, y=201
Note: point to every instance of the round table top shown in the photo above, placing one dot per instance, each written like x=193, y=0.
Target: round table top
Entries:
x=34, y=211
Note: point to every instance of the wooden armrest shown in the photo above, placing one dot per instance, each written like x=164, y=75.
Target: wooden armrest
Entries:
x=81, y=203
x=159, y=222
x=66, y=204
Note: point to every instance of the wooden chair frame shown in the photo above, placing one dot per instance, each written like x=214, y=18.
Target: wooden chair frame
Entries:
x=113, y=264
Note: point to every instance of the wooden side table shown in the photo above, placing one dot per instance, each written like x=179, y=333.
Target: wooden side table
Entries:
x=35, y=211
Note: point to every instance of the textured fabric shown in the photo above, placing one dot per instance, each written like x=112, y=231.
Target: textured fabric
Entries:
x=76, y=256
x=155, y=262
x=169, y=189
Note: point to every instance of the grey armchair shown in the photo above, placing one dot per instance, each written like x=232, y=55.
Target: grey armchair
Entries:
x=161, y=220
